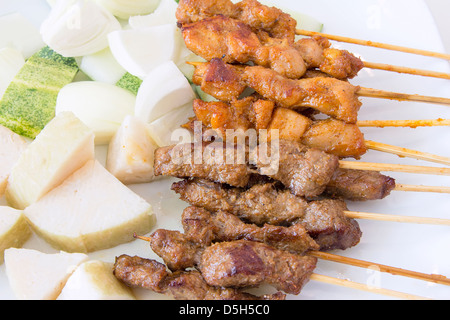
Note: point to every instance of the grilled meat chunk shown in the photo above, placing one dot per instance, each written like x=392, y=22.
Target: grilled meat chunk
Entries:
x=270, y=20
x=359, y=185
x=183, y=285
x=243, y=263
x=324, y=220
x=330, y=96
x=306, y=172
x=181, y=251
x=336, y=137
x=333, y=136
x=177, y=250
x=329, y=227
x=262, y=203
x=220, y=80
x=244, y=114
x=272, y=27
x=223, y=226
x=181, y=161
x=235, y=42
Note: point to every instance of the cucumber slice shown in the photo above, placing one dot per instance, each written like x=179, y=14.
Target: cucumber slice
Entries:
x=130, y=83
x=28, y=103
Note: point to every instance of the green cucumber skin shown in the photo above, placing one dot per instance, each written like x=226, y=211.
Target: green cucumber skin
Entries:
x=29, y=102
x=130, y=83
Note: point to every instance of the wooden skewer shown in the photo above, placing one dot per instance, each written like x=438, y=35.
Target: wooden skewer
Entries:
x=413, y=188
x=381, y=94
x=396, y=218
x=435, y=278
x=404, y=123
x=376, y=44
x=363, y=287
x=405, y=70
x=356, y=165
x=403, y=152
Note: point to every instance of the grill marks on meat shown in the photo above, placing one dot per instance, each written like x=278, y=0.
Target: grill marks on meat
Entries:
x=324, y=220
x=234, y=41
x=260, y=18
x=247, y=264
x=182, y=285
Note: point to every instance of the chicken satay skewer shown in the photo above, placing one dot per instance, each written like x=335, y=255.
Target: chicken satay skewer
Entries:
x=333, y=136
x=372, y=93
x=374, y=44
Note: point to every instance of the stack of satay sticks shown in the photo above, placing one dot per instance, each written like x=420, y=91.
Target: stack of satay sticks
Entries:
x=264, y=208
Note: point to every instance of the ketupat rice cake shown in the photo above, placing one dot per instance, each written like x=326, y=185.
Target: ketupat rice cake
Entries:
x=29, y=102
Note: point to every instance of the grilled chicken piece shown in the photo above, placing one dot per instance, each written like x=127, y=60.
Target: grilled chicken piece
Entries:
x=271, y=25
x=305, y=171
x=182, y=285
x=243, y=263
x=324, y=220
x=330, y=96
x=333, y=136
x=234, y=41
x=336, y=137
x=220, y=80
x=244, y=114
x=260, y=18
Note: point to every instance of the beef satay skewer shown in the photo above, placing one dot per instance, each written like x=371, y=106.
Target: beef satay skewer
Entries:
x=225, y=282
x=202, y=228
x=374, y=44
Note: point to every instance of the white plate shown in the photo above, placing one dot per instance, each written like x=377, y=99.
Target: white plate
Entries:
x=421, y=248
